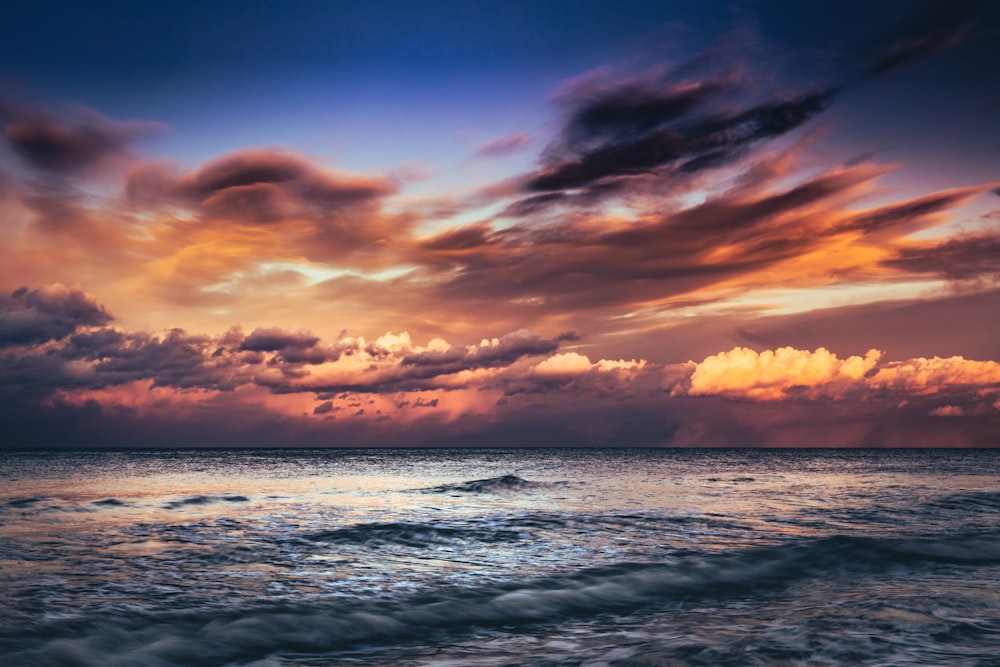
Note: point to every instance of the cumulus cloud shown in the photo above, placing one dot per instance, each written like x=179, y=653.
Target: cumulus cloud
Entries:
x=76, y=360
x=393, y=362
x=928, y=376
x=790, y=373
x=293, y=347
x=771, y=375
x=489, y=352
x=572, y=370
x=47, y=313
x=57, y=338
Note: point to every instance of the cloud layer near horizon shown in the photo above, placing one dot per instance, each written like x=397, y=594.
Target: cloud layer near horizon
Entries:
x=60, y=351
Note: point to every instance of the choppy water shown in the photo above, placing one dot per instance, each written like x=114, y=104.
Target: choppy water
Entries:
x=500, y=557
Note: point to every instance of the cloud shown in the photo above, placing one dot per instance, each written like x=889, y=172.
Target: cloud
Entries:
x=298, y=347
x=593, y=260
x=912, y=215
x=52, y=145
x=508, y=144
x=393, y=363
x=786, y=372
x=575, y=371
x=56, y=338
x=268, y=204
x=573, y=364
x=934, y=28
x=222, y=234
x=324, y=408
x=957, y=258
x=519, y=383
x=47, y=313
x=660, y=125
x=603, y=109
x=256, y=185
x=772, y=375
x=948, y=411
x=490, y=352
x=890, y=325
x=699, y=144
x=929, y=376
x=127, y=375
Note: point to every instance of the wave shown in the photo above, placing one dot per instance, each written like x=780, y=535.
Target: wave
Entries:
x=412, y=534
x=18, y=503
x=495, y=485
x=970, y=501
x=110, y=502
x=205, y=500
x=242, y=635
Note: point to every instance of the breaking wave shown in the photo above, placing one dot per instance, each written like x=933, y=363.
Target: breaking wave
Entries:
x=494, y=485
x=205, y=500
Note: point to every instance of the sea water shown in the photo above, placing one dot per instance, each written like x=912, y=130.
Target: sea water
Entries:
x=499, y=557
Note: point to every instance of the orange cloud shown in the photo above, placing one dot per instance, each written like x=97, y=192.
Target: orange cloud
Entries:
x=929, y=376
x=771, y=375
x=790, y=373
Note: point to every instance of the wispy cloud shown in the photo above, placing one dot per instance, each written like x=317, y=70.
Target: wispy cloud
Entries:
x=508, y=144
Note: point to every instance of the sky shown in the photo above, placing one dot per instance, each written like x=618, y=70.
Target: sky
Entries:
x=739, y=223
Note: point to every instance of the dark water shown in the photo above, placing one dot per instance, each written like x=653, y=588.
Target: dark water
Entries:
x=500, y=557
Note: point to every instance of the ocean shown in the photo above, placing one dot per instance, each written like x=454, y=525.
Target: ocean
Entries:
x=600, y=557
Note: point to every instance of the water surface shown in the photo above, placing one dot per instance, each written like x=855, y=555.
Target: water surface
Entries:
x=500, y=557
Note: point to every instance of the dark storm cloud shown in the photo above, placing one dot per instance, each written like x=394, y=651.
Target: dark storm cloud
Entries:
x=52, y=145
x=293, y=347
x=109, y=358
x=176, y=359
x=47, y=313
x=274, y=340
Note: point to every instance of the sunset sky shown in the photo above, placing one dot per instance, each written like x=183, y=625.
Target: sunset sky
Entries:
x=500, y=223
